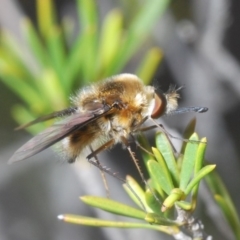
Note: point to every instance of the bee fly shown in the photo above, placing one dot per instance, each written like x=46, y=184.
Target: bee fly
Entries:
x=103, y=114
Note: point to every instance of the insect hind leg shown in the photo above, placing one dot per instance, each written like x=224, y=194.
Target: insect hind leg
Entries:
x=93, y=153
x=105, y=146
x=92, y=158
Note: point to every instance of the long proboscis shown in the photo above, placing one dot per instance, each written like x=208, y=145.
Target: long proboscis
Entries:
x=189, y=109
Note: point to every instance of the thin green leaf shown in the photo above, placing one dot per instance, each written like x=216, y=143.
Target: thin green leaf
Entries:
x=13, y=70
x=147, y=155
x=200, y=155
x=154, y=218
x=146, y=151
x=197, y=178
x=81, y=62
x=16, y=61
x=188, y=162
x=147, y=15
x=136, y=193
x=113, y=207
x=160, y=172
x=110, y=39
x=49, y=83
x=87, y=13
x=22, y=89
x=74, y=60
x=89, y=23
x=46, y=16
x=148, y=66
x=218, y=188
x=138, y=32
x=184, y=205
x=164, y=146
x=34, y=42
x=95, y=222
x=198, y=165
x=152, y=202
x=89, y=52
x=228, y=214
x=56, y=50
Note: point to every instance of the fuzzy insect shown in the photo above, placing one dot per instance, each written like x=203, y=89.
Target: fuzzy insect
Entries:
x=103, y=114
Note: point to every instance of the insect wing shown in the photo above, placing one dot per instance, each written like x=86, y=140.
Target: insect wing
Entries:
x=54, y=134
x=65, y=112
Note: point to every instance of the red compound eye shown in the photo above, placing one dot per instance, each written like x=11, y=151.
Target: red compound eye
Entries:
x=160, y=105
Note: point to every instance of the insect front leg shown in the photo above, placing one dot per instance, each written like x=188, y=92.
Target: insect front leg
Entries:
x=136, y=162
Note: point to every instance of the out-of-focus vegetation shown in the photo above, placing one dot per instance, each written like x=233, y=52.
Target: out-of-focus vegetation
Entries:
x=169, y=201
x=173, y=188
x=61, y=62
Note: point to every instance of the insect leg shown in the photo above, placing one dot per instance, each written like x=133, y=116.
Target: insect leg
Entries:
x=101, y=148
x=135, y=160
x=171, y=136
x=102, y=174
x=96, y=161
x=102, y=168
x=146, y=128
x=148, y=151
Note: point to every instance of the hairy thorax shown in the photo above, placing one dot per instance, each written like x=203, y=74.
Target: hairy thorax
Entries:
x=132, y=101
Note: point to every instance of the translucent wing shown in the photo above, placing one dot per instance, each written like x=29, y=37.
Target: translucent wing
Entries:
x=62, y=113
x=56, y=133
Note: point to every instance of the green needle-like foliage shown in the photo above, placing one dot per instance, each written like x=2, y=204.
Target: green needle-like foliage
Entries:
x=224, y=201
x=59, y=62
x=166, y=195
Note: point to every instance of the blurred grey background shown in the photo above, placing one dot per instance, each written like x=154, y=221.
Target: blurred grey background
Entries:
x=200, y=40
